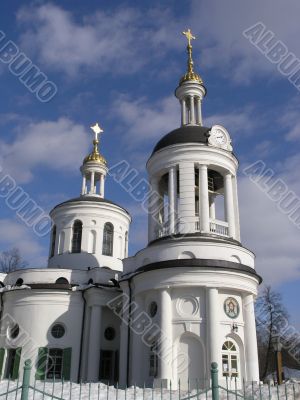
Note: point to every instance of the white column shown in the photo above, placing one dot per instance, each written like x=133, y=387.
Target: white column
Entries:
x=166, y=341
x=102, y=180
x=192, y=110
x=183, y=112
x=250, y=339
x=199, y=111
x=83, y=190
x=212, y=325
x=229, y=205
x=187, y=197
x=94, y=344
x=172, y=192
x=137, y=345
x=236, y=209
x=212, y=206
x=124, y=338
x=203, y=199
x=92, y=183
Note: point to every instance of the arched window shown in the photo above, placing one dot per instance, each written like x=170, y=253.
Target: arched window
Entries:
x=53, y=241
x=108, y=239
x=77, y=236
x=230, y=359
x=62, y=281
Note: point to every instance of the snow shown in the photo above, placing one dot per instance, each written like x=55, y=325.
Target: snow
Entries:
x=97, y=391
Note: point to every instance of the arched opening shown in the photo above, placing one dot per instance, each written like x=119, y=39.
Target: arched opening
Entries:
x=77, y=237
x=108, y=239
x=53, y=241
x=191, y=371
x=62, y=281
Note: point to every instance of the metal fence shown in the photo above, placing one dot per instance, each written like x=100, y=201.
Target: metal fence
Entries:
x=61, y=390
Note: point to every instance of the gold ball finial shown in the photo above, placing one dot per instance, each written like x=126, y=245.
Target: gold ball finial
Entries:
x=190, y=75
x=95, y=156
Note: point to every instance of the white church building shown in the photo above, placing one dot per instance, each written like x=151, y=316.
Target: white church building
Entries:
x=163, y=315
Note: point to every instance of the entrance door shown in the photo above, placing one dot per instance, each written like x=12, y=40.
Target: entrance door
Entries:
x=192, y=370
x=109, y=361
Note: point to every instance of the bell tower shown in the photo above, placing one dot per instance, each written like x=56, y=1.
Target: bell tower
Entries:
x=194, y=280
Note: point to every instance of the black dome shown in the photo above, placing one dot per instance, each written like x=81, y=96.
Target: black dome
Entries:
x=184, y=134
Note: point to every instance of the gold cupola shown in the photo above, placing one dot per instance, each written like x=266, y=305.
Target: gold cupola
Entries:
x=95, y=156
x=190, y=75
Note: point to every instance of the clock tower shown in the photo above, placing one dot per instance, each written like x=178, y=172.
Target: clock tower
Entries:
x=195, y=284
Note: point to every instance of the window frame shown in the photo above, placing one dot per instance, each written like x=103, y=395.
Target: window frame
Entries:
x=108, y=240
x=77, y=237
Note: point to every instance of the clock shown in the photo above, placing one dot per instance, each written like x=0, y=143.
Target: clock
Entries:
x=231, y=307
x=219, y=137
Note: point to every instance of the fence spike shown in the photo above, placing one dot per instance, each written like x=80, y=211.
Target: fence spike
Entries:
x=214, y=381
x=26, y=380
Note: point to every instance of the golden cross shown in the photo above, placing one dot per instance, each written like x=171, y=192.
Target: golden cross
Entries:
x=188, y=34
x=97, y=130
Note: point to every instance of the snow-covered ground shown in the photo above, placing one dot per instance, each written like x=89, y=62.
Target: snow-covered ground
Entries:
x=97, y=391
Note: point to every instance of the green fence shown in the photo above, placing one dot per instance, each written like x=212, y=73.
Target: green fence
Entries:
x=61, y=390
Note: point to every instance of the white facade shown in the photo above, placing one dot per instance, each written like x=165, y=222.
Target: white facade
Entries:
x=163, y=315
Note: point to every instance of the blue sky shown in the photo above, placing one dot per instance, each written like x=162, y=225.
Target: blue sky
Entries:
x=118, y=63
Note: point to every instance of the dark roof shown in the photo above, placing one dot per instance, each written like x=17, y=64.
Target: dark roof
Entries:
x=90, y=199
x=184, y=134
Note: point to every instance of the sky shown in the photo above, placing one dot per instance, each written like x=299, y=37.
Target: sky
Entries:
x=119, y=63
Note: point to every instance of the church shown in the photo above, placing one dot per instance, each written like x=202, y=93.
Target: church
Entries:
x=165, y=314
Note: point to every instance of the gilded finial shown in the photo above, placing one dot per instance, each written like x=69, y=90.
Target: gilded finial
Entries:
x=190, y=75
x=95, y=156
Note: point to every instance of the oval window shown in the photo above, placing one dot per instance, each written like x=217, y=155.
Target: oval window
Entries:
x=153, y=309
x=14, y=331
x=109, y=333
x=58, y=331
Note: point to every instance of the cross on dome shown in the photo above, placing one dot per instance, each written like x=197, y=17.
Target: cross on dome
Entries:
x=188, y=34
x=97, y=130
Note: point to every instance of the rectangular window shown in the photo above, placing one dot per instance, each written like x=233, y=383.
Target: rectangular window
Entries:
x=108, y=364
x=55, y=364
x=153, y=361
x=11, y=356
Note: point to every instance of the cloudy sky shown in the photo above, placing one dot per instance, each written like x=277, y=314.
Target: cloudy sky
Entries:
x=118, y=63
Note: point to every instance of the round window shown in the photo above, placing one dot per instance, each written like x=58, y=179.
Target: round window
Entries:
x=14, y=331
x=109, y=333
x=58, y=331
x=153, y=309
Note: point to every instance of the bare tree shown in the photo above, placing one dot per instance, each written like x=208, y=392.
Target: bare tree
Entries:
x=11, y=260
x=271, y=317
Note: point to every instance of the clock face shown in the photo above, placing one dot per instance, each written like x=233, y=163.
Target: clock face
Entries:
x=220, y=137
x=231, y=307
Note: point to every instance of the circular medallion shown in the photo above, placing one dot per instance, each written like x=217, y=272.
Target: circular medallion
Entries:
x=187, y=306
x=231, y=307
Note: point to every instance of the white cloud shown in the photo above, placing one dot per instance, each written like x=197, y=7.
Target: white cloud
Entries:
x=147, y=121
x=14, y=234
x=58, y=145
x=116, y=41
